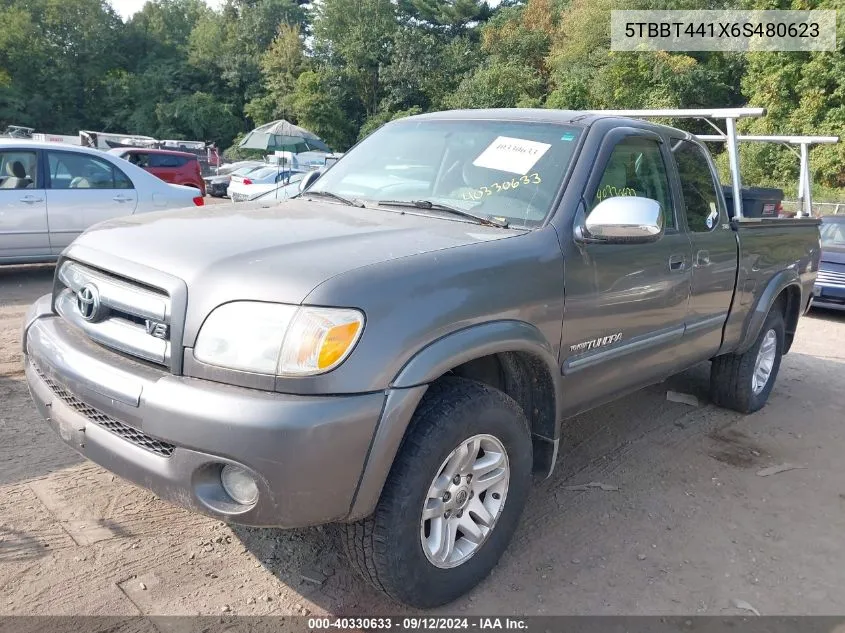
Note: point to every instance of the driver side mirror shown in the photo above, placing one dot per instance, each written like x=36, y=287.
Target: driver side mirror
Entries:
x=309, y=179
x=624, y=219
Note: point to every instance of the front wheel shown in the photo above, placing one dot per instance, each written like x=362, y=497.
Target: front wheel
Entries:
x=744, y=381
x=452, y=500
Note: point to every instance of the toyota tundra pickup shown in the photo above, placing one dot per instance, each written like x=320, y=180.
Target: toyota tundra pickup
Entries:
x=397, y=349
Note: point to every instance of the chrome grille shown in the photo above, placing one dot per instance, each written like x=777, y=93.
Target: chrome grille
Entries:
x=99, y=418
x=830, y=278
x=130, y=318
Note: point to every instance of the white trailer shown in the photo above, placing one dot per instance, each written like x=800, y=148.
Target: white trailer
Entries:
x=67, y=139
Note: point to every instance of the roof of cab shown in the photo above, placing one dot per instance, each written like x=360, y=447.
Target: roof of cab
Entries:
x=582, y=118
x=514, y=114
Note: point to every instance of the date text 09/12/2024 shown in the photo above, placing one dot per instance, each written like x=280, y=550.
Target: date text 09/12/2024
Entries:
x=419, y=623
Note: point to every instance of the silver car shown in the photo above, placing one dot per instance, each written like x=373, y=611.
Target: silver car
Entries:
x=50, y=193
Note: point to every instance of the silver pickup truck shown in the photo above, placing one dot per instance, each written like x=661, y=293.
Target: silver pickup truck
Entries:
x=397, y=349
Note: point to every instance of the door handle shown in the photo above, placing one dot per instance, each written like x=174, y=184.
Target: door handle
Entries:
x=702, y=258
x=31, y=199
x=122, y=198
x=677, y=263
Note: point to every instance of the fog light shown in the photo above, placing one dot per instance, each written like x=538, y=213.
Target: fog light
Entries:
x=239, y=484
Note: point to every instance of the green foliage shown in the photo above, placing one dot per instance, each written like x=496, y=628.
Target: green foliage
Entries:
x=497, y=85
x=198, y=115
x=354, y=39
x=377, y=120
x=450, y=17
x=803, y=93
x=317, y=101
x=281, y=65
x=343, y=68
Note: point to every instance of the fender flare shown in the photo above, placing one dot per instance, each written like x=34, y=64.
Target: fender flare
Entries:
x=427, y=365
x=757, y=315
x=476, y=341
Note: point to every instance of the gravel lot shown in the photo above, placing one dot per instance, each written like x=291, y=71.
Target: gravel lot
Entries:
x=692, y=529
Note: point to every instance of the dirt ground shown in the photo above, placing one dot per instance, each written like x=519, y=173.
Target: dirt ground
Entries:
x=692, y=529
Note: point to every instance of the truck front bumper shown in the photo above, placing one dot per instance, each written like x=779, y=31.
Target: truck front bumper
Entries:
x=173, y=434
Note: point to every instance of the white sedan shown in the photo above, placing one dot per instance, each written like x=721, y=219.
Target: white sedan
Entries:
x=50, y=193
x=253, y=184
x=281, y=191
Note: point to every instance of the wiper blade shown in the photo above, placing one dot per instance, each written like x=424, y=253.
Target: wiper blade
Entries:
x=502, y=223
x=334, y=196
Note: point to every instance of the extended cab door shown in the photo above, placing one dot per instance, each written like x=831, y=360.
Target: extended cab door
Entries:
x=625, y=304
x=82, y=190
x=714, y=248
x=23, y=207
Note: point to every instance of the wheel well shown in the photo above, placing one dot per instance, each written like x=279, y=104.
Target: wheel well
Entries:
x=526, y=379
x=789, y=302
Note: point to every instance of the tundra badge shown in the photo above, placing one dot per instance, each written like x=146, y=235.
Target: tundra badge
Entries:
x=596, y=342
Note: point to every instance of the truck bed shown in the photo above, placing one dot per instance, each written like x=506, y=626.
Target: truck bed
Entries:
x=769, y=247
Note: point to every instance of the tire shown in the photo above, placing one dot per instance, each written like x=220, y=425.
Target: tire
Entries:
x=732, y=376
x=387, y=548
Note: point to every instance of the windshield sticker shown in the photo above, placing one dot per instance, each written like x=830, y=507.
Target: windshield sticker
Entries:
x=515, y=155
x=569, y=136
x=504, y=185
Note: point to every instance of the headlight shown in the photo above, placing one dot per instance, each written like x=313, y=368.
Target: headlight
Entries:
x=272, y=338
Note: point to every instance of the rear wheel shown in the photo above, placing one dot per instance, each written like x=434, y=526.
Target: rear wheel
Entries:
x=452, y=500
x=744, y=381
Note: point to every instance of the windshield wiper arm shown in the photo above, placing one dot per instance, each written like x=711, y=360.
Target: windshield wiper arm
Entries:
x=334, y=196
x=436, y=206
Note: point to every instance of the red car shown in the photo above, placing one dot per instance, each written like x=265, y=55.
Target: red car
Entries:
x=178, y=168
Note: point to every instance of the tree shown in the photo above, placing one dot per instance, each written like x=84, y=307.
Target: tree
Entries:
x=449, y=17
x=803, y=93
x=281, y=65
x=377, y=120
x=317, y=102
x=199, y=116
x=498, y=85
x=354, y=38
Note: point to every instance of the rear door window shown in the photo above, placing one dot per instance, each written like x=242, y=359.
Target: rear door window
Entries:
x=18, y=170
x=69, y=170
x=166, y=160
x=142, y=159
x=698, y=187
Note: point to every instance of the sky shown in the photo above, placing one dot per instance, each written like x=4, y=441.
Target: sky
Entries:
x=128, y=8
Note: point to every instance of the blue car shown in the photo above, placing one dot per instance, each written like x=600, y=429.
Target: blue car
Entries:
x=829, y=291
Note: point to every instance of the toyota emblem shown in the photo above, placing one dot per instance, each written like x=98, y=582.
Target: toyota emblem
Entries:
x=88, y=302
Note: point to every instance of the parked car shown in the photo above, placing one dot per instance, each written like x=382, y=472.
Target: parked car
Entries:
x=281, y=191
x=178, y=168
x=50, y=193
x=247, y=186
x=396, y=349
x=829, y=291
x=218, y=184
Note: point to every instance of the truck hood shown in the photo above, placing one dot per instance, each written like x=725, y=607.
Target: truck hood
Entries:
x=278, y=252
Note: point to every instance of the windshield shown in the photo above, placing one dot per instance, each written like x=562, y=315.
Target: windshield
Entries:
x=508, y=170
x=833, y=233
